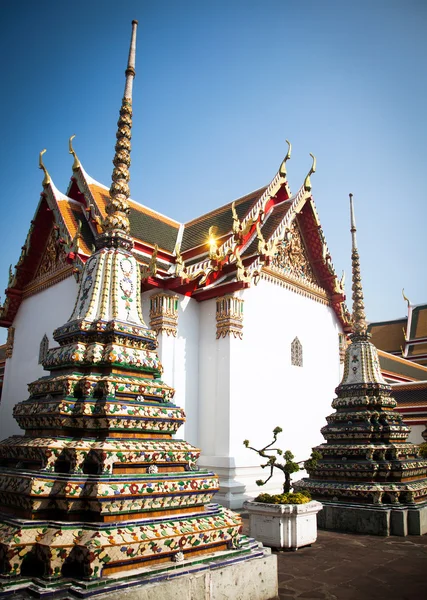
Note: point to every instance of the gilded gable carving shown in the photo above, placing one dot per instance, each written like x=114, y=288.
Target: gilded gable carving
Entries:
x=291, y=257
x=53, y=257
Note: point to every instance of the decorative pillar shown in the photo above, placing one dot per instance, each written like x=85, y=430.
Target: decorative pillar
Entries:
x=229, y=317
x=164, y=314
x=9, y=342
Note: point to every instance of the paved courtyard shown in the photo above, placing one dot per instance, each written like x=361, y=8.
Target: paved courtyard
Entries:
x=343, y=566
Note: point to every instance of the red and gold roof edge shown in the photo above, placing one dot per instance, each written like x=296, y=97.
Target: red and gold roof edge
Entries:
x=223, y=265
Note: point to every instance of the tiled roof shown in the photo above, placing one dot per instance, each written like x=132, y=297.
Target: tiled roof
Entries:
x=72, y=213
x=388, y=335
x=401, y=367
x=418, y=322
x=270, y=225
x=417, y=349
x=146, y=225
x=196, y=231
x=410, y=394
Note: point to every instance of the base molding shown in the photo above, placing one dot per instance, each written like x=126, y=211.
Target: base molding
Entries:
x=383, y=519
x=248, y=572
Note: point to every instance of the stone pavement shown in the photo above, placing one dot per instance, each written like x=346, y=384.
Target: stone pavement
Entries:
x=344, y=566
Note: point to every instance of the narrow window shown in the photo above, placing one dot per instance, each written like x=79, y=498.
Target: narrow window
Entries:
x=44, y=347
x=296, y=353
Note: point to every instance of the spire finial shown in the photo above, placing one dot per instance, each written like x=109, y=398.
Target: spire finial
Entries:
x=117, y=207
x=76, y=163
x=405, y=298
x=282, y=169
x=46, y=179
x=307, y=182
x=359, y=319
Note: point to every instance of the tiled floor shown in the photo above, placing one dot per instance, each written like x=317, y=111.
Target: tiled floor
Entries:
x=344, y=566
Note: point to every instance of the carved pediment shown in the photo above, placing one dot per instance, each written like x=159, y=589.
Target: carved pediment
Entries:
x=53, y=257
x=291, y=257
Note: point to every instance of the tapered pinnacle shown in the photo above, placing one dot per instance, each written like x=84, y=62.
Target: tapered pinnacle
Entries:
x=117, y=207
x=359, y=318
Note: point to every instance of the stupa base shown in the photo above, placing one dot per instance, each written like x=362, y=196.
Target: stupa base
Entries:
x=247, y=573
x=371, y=519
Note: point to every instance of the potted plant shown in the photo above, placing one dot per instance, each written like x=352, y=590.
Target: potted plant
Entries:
x=288, y=519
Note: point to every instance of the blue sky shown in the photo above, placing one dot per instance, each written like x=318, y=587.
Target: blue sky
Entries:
x=219, y=87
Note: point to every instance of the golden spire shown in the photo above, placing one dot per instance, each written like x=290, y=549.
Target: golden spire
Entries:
x=359, y=319
x=76, y=163
x=46, y=179
x=117, y=207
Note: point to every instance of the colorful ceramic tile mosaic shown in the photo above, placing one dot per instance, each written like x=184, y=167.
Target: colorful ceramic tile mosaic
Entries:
x=366, y=458
x=98, y=485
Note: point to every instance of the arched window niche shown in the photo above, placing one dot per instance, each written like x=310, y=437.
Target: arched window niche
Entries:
x=44, y=347
x=296, y=353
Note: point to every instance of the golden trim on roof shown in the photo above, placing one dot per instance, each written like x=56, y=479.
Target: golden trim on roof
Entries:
x=299, y=286
x=47, y=280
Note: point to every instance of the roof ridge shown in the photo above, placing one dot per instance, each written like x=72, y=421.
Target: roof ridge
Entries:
x=388, y=322
x=239, y=200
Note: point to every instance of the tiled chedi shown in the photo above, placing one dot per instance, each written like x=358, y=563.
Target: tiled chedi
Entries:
x=98, y=485
x=366, y=458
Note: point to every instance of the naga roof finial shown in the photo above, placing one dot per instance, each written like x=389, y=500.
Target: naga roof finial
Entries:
x=282, y=169
x=46, y=179
x=76, y=163
x=359, y=318
x=307, y=182
x=405, y=298
x=117, y=207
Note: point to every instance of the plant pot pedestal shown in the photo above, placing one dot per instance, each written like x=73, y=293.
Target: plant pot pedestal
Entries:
x=283, y=525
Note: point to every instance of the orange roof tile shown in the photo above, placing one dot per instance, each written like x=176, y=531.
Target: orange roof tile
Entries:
x=69, y=211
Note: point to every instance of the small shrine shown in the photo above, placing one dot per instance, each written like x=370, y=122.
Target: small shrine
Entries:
x=366, y=459
x=98, y=492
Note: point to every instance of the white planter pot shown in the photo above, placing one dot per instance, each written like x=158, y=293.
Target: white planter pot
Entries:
x=283, y=525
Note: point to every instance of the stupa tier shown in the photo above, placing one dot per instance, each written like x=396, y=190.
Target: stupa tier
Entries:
x=98, y=484
x=98, y=447
x=366, y=458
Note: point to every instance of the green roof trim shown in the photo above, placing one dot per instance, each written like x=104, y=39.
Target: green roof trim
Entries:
x=407, y=369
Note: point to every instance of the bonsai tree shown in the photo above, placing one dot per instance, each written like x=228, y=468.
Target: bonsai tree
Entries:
x=288, y=465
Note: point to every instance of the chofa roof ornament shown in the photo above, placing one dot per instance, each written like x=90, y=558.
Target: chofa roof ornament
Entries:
x=46, y=179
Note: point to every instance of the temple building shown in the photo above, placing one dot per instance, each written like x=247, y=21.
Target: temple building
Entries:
x=239, y=298
x=369, y=478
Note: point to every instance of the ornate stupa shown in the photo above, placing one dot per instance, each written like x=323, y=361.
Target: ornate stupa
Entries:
x=98, y=487
x=366, y=459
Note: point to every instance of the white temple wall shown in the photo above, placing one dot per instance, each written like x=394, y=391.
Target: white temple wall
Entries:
x=264, y=389
x=271, y=392
x=208, y=379
x=38, y=315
